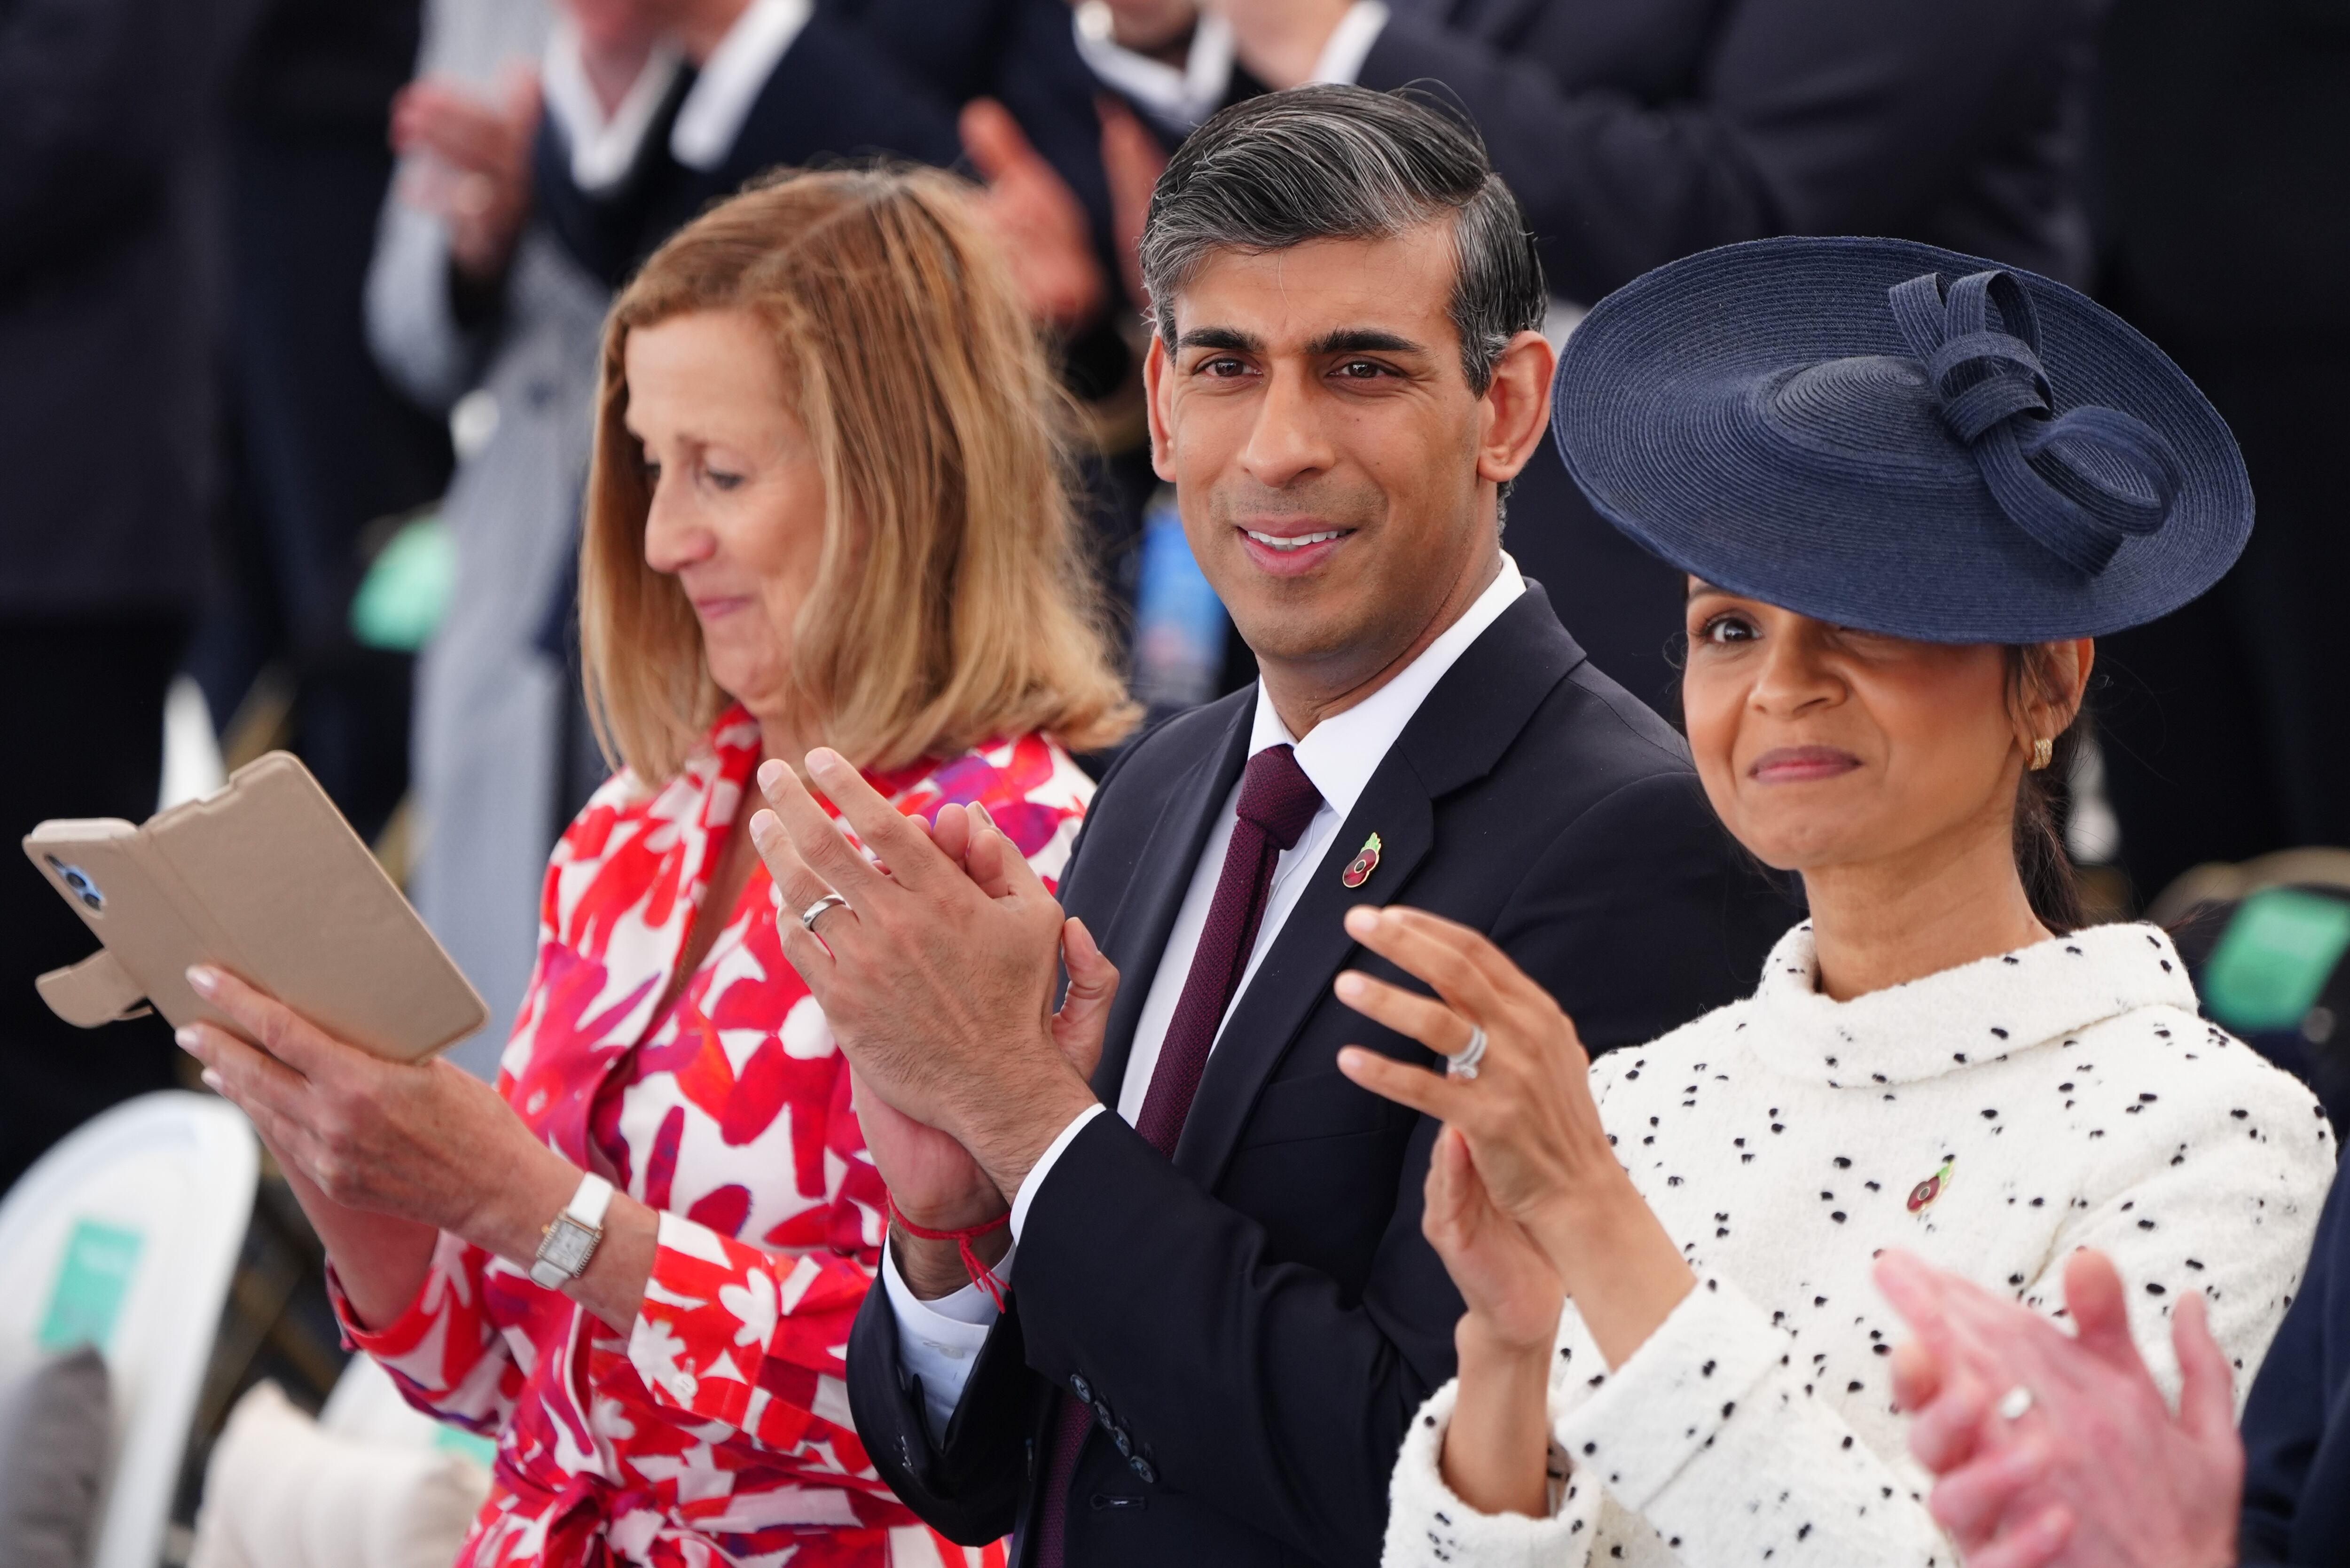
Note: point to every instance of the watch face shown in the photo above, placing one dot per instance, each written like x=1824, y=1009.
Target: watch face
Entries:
x=569, y=1245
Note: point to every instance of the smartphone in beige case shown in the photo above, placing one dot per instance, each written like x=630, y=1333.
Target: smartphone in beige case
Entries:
x=262, y=879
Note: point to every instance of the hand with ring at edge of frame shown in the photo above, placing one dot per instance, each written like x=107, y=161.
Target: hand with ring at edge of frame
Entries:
x=2097, y=1472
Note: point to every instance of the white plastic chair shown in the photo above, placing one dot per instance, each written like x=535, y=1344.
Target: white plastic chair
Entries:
x=145, y=1206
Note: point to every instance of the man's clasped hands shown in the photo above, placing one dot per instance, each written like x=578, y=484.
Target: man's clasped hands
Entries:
x=938, y=978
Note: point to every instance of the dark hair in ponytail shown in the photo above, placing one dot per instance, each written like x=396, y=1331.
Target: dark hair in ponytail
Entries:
x=2040, y=857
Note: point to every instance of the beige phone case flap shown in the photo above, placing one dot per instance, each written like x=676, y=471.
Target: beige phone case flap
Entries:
x=266, y=881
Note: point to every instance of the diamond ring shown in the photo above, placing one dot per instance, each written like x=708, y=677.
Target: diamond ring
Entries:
x=1462, y=1064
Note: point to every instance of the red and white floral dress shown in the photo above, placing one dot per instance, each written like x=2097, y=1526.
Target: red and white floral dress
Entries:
x=718, y=1431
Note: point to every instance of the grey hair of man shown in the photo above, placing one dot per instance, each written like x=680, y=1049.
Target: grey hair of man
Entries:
x=1337, y=162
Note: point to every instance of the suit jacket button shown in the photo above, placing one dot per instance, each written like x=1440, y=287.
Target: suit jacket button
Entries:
x=1078, y=1387
x=1141, y=1467
x=1124, y=1444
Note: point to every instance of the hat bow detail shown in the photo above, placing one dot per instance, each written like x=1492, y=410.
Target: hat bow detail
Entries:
x=2079, y=483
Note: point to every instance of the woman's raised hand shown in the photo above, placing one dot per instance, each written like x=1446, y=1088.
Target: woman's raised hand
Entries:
x=1512, y=1292
x=1528, y=1115
x=1531, y=1129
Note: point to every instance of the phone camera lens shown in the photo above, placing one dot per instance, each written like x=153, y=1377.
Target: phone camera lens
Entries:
x=77, y=880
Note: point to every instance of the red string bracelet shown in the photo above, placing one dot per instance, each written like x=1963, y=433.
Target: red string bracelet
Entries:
x=980, y=1273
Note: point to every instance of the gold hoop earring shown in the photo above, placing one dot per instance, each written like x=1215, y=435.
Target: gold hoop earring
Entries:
x=2044, y=751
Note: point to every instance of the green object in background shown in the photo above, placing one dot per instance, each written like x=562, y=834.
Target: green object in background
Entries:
x=406, y=591
x=2274, y=959
x=92, y=1279
x=472, y=1445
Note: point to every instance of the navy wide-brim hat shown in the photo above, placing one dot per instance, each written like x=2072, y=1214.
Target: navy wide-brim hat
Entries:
x=1902, y=439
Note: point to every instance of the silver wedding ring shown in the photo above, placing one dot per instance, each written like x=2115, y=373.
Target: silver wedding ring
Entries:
x=829, y=901
x=2016, y=1401
x=1462, y=1064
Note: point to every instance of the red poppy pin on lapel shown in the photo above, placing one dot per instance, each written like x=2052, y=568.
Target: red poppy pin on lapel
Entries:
x=1358, y=870
x=1933, y=1187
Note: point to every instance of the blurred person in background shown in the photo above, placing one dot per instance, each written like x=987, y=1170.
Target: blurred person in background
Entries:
x=1636, y=132
x=827, y=506
x=472, y=299
x=318, y=445
x=2223, y=193
x=109, y=155
x=499, y=246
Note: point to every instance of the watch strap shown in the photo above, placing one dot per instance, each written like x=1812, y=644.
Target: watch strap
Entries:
x=569, y=1241
x=589, y=1202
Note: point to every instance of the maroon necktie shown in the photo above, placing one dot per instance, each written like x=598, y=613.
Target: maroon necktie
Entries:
x=1277, y=800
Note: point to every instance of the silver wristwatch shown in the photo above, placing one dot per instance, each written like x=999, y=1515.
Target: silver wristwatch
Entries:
x=569, y=1241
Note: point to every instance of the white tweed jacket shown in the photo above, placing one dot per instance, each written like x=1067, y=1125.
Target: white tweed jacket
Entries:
x=1991, y=1119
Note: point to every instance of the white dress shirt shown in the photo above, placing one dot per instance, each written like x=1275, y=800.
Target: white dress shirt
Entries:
x=938, y=1339
x=604, y=147
x=1179, y=99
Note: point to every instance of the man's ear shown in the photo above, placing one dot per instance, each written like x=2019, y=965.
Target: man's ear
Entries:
x=1158, y=388
x=1516, y=407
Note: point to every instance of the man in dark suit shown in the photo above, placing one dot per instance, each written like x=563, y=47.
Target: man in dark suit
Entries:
x=1637, y=132
x=767, y=83
x=109, y=143
x=1223, y=1312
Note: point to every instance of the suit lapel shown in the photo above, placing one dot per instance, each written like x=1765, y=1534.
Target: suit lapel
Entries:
x=1135, y=938
x=1460, y=732
x=1296, y=972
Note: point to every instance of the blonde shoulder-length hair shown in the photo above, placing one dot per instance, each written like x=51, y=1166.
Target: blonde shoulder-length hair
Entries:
x=951, y=603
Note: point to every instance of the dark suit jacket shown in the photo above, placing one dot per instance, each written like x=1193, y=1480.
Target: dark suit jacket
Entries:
x=1257, y=1322
x=864, y=78
x=108, y=290
x=1637, y=131
x=2297, y=1421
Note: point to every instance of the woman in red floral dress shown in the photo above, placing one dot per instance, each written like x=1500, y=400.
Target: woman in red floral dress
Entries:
x=787, y=545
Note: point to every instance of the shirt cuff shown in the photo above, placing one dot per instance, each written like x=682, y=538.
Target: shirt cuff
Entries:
x=939, y=1341
x=731, y=80
x=1428, y=1524
x=1670, y=1400
x=1349, y=44
x=603, y=148
x=1044, y=1166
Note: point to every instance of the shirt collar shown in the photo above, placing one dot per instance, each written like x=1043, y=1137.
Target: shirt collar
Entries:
x=1344, y=750
x=603, y=148
x=1181, y=101
x=1980, y=1012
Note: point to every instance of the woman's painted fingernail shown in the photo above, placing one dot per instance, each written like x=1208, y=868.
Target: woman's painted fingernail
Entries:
x=203, y=979
x=188, y=1039
x=1351, y=986
x=770, y=773
x=824, y=759
x=1362, y=920
x=212, y=1080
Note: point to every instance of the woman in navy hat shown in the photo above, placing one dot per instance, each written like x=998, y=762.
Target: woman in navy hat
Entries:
x=1908, y=488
